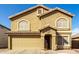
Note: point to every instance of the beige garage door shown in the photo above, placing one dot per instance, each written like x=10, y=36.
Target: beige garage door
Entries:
x=27, y=43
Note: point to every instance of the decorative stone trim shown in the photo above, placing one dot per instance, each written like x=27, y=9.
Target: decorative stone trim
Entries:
x=68, y=24
x=25, y=21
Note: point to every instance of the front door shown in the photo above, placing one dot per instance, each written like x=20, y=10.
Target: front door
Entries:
x=47, y=42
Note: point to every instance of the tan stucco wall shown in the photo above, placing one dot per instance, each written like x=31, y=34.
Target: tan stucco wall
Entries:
x=31, y=17
x=35, y=23
x=52, y=18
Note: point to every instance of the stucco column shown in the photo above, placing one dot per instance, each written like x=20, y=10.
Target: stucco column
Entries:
x=54, y=43
x=42, y=38
x=9, y=42
x=70, y=41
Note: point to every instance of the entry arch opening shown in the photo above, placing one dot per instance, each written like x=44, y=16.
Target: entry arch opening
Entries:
x=48, y=41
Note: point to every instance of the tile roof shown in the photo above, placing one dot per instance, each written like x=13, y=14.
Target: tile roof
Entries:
x=59, y=9
x=29, y=10
x=75, y=36
x=4, y=27
x=22, y=33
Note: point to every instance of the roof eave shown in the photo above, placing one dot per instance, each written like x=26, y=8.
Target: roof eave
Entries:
x=28, y=10
x=22, y=33
x=5, y=27
x=62, y=10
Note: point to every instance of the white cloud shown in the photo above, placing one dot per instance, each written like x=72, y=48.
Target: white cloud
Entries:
x=75, y=31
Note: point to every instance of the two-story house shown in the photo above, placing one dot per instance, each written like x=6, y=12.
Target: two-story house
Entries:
x=40, y=28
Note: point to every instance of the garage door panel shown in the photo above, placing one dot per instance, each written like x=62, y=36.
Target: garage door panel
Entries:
x=26, y=43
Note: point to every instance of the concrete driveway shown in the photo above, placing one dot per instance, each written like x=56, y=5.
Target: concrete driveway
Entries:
x=6, y=51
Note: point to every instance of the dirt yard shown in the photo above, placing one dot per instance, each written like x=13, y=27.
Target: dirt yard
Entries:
x=6, y=51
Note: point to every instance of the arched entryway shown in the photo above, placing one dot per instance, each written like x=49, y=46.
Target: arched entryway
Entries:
x=48, y=41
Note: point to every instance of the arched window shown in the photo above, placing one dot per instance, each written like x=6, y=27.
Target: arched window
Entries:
x=23, y=25
x=62, y=23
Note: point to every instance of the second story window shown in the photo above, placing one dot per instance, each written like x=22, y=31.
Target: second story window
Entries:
x=23, y=26
x=62, y=23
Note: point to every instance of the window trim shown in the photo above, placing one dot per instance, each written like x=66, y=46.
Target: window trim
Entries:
x=25, y=21
x=68, y=24
x=42, y=11
x=68, y=40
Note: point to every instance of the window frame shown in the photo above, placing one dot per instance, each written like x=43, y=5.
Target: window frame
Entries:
x=62, y=41
x=42, y=11
x=27, y=26
x=68, y=24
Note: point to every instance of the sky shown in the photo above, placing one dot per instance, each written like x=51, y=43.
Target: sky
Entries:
x=7, y=10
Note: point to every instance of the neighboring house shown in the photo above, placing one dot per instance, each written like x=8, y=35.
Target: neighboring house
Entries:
x=75, y=41
x=3, y=36
x=40, y=28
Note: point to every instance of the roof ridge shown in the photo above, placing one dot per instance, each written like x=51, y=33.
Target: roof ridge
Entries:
x=29, y=9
